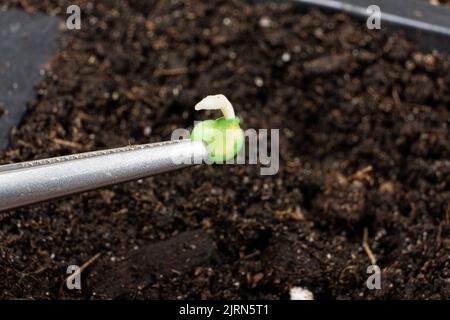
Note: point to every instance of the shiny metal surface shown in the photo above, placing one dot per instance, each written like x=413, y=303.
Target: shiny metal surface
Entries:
x=35, y=181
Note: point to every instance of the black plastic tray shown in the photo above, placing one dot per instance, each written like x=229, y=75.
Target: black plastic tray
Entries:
x=426, y=24
x=27, y=42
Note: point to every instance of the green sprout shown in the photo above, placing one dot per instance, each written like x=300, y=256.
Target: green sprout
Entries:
x=223, y=137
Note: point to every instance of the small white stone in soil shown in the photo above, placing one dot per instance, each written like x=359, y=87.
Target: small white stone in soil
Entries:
x=147, y=131
x=265, y=22
x=299, y=293
x=259, y=82
x=232, y=55
x=226, y=21
x=286, y=57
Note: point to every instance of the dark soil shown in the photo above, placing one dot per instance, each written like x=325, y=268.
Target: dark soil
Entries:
x=364, y=141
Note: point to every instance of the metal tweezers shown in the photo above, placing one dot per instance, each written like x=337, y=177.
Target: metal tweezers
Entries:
x=40, y=180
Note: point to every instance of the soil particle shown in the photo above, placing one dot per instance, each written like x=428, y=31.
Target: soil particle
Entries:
x=177, y=255
x=326, y=64
x=364, y=145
